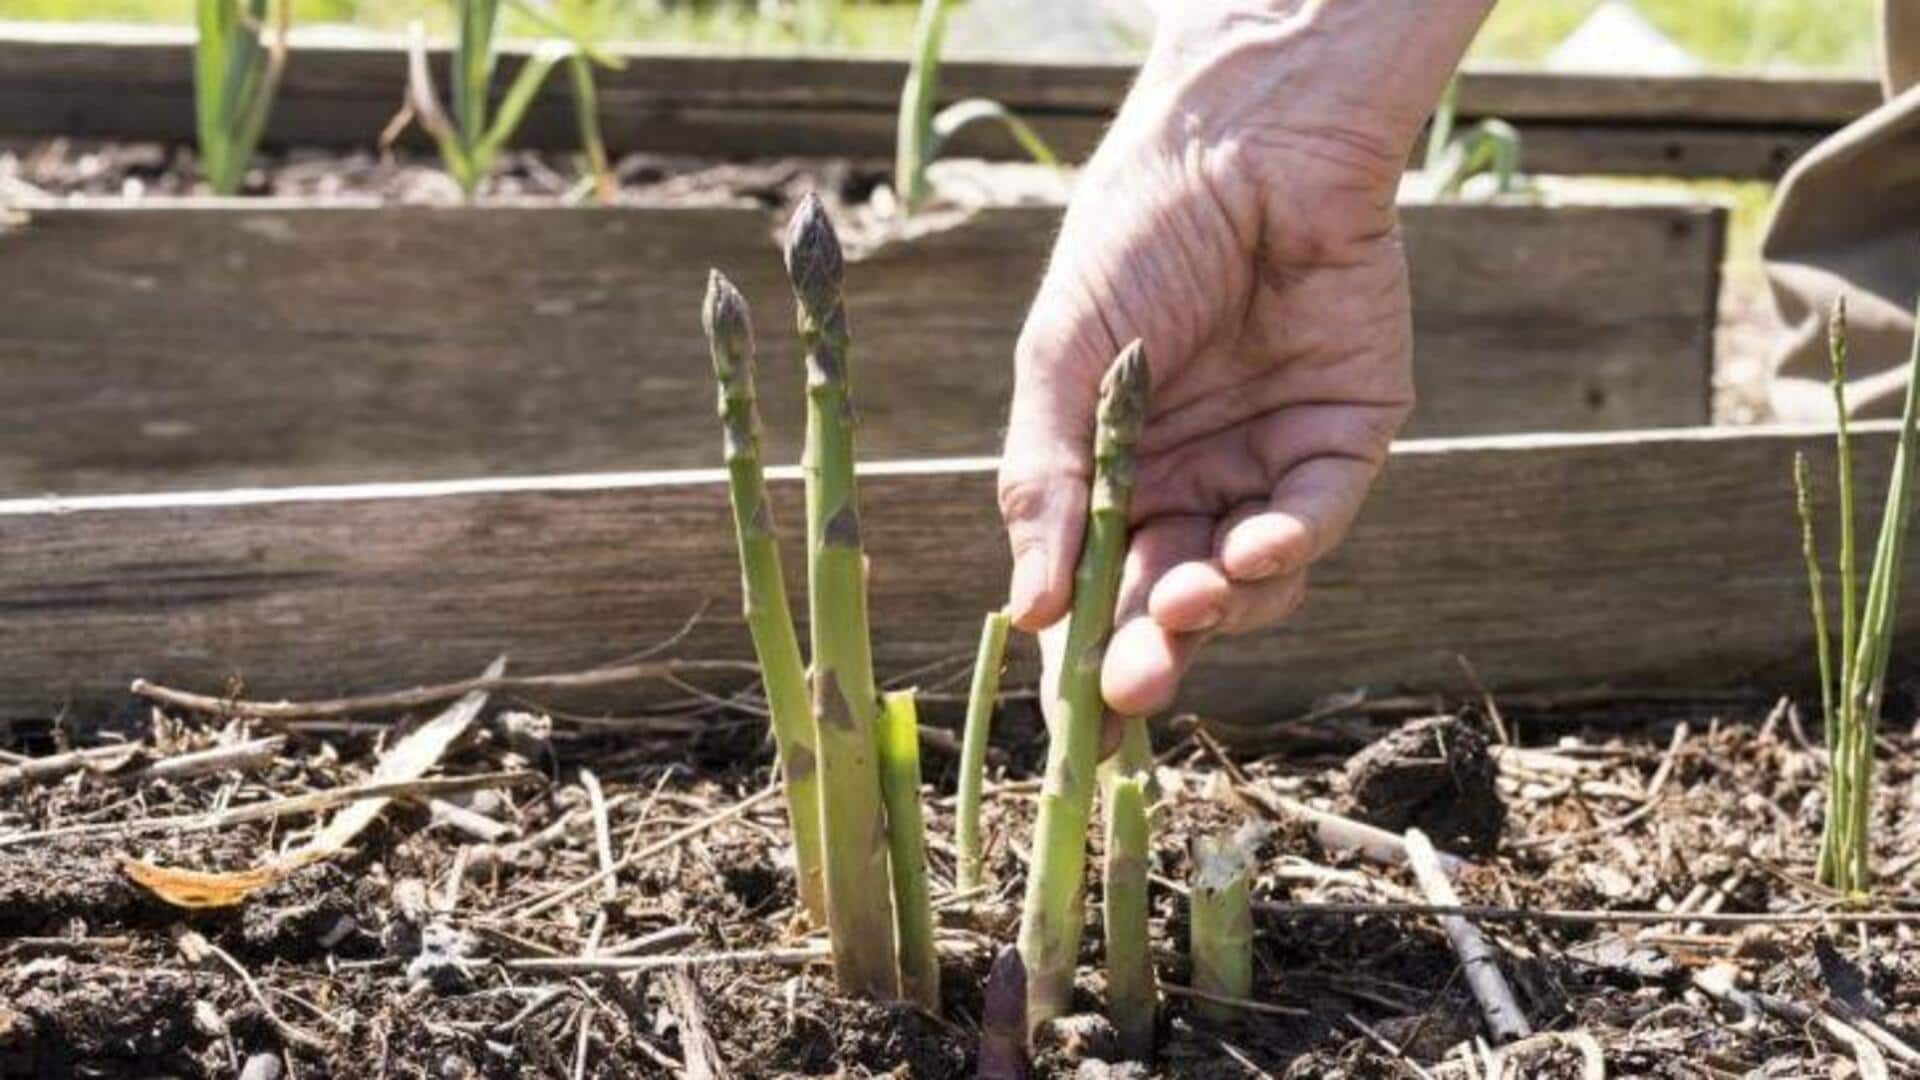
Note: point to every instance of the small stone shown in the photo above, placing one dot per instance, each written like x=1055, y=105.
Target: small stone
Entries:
x=262, y=1067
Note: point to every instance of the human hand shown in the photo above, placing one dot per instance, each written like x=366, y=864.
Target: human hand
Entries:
x=1238, y=219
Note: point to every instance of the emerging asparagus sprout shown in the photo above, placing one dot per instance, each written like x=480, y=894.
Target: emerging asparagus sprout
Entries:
x=1220, y=917
x=1131, y=989
x=237, y=62
x=846, y=703
x=967, y=841
x=921, y=132
x=1852, y=692
x=907, y=841
x=473, y=137
x=1051, y=920
x=729, y=328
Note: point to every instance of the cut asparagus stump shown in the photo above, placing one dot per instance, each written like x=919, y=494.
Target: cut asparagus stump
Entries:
x=1220, y=918
x=973, y=751
x=1050, y=922
x=845, y=702
x=907, y=842
x=763, y=590
x=1130, y=983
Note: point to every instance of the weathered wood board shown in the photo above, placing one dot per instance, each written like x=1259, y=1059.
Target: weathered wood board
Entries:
x=253, y=343
x=1664, y=559
x=135, y=83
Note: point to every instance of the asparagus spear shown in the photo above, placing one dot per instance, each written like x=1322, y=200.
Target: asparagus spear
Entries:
x=1056, y=887
x=1130, y=984
x=1220, y=918
x=845, y=702
x=729, y=327
x=973, y=749
x=907, y=841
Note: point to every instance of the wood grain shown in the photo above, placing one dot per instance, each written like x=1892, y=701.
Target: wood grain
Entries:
x=134, y=83
x=257, y=343
x=1640, y=559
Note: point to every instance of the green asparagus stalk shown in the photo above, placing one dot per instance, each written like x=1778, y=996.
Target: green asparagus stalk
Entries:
x=1131, y=989
x=1220, y=918
x=973, y=750
x=1853, y=681
x=729, y=327
x=1051, y=920
x=907, y=845
x=845, y=702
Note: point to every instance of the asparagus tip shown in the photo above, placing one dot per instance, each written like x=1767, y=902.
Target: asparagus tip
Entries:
x=1123, y=394
x=725, y=315
x=1003, y=1019
x=814, y=260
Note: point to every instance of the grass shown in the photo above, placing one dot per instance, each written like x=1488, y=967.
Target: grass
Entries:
x=1833, y=35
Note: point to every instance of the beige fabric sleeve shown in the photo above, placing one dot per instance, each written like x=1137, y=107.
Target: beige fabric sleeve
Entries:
x=1846, y=218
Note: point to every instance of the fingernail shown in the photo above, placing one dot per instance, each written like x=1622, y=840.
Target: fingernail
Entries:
x=1265, y=568
x=1029, y=581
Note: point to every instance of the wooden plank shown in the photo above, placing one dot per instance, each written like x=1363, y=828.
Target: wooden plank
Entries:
x=134, y=83
x=256, y=343
x=1663, y=559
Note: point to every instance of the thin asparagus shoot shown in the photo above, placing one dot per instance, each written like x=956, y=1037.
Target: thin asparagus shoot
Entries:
x=846, y=703
x=1852, y=690
x=907, y=845
x=967, y=840
x=1131, y=989
x=1054, y=910
x=1220, y=918
x=729, y=327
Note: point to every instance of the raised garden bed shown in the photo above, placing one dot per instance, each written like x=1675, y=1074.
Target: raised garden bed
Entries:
x=163, y=345
x=590, y=880
x=1652, y=561
x=135, y=83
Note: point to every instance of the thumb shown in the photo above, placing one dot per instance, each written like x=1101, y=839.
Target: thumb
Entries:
x=1047, y=462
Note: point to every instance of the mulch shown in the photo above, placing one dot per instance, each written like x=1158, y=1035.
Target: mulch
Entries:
x=465, y=933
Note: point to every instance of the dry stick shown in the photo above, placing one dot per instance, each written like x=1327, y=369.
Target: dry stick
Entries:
x=1593, y=1062
x=197, y=949
x=529, y=908
x=623, y=965
x=1478, y=959
x=242, y=757
x=1244, y=1004
x=312, y=802
x=1345, y=834
x=602, y=833
x=56, y=766
x=1717, y=982
x=702, y=1054
x=1584, y=916
x=399, y=700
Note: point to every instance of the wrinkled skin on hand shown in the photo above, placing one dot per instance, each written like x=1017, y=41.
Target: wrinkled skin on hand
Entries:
x=1239, y=219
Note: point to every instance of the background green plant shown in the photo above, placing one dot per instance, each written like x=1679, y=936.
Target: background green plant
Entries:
x=1820, y=34
x=239, y=54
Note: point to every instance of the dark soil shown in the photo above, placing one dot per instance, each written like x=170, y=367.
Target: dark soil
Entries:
x=405, y=955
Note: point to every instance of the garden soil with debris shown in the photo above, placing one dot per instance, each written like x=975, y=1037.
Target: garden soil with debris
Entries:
x=464, y=933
